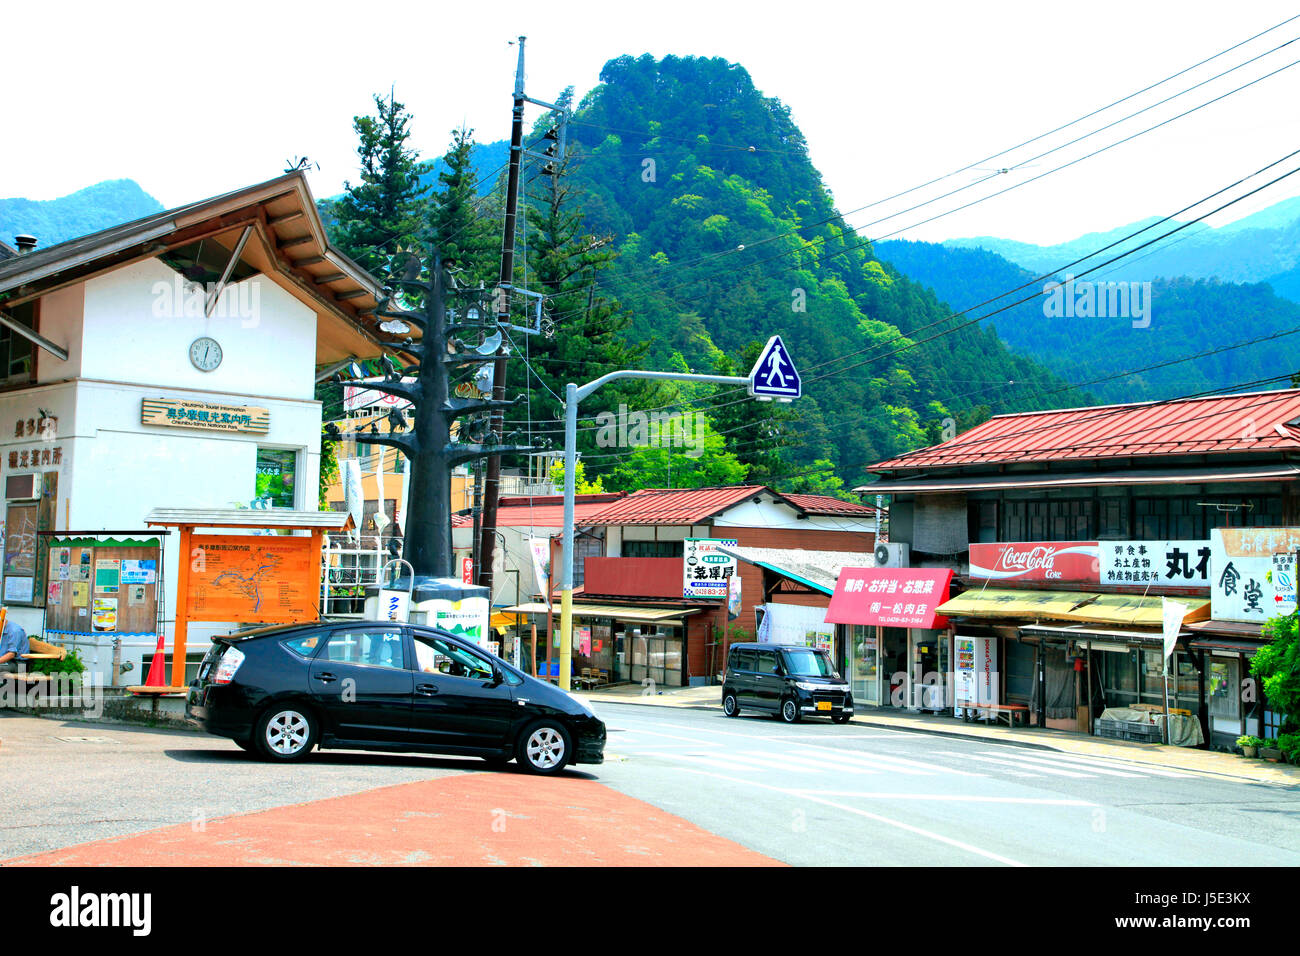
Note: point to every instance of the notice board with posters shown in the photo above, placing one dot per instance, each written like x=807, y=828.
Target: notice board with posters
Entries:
x=266, y=579
x=102, y=585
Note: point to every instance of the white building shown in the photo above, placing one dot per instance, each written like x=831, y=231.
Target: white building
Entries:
x=168, y=362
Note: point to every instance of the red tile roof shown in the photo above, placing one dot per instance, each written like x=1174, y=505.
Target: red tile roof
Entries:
x=1256, y=421
x=673, y=506
x=826, y=505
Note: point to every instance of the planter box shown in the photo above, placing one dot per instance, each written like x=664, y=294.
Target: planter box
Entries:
x=1249, y=751
x=1271, y=754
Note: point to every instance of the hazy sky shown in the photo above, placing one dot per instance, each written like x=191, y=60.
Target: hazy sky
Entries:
x=193, y=100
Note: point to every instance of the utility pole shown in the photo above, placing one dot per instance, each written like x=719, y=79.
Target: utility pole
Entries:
x=492, y=483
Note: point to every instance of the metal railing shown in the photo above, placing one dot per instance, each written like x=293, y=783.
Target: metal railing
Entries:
x=351, y=565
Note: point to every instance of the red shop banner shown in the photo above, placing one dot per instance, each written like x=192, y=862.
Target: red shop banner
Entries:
x=1061, y=562
x=890, y=597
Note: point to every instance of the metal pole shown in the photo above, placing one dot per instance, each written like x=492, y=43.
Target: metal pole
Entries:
x=566, y=555
x=491, y=486
x=573, y=395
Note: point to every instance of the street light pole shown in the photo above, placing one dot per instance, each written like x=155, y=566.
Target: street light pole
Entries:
x=573, y=396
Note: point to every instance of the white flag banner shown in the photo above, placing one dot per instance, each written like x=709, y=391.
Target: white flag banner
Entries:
x=1172, y=613
x=541, y=551
x=353, y=497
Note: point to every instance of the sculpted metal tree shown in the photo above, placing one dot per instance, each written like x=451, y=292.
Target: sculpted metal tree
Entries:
x=445, y=317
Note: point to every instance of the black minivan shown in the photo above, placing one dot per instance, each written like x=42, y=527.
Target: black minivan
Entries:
x=785, y=679
x=379, y=685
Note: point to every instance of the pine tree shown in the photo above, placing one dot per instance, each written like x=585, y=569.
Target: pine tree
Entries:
x=388, y=208
x=463, y=225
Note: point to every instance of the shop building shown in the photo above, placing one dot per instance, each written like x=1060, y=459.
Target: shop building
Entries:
x=639, y=601
x=168, y=362
x=1065, y=529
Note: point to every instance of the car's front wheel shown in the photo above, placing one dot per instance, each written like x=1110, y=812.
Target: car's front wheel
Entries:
x=790, y=711
x=544, y=747
x=286, y=733
x=729, y=705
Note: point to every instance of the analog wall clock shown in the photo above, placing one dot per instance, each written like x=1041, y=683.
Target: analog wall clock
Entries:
x=205, y=353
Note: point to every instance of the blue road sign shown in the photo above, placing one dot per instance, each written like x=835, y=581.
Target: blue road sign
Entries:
x=773, y=375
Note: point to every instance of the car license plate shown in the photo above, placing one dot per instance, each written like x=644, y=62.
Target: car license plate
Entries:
x=823, y=705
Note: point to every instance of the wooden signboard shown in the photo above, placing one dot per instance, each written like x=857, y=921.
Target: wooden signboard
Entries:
x=269, y=579
x=204, y=415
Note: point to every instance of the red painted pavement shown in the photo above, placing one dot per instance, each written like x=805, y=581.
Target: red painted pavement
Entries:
x=476, y=819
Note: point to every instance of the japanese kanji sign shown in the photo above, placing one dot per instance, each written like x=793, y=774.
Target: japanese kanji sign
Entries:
x=705, y=569
x=890, y=597
x=1162, y=564
x=1252, y=573
x=204, y=415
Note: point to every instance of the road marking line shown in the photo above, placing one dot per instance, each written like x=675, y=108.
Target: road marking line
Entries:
x=890, y=762
x=1091, y=762
x=1038, y=768
x=815, y=764
x=1044, y=801
x=774, y=762
x=700, y=758
x=929, y=834
x=1035, y=760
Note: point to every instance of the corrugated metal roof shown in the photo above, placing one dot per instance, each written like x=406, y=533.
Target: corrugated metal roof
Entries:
x=826, y=505
x=1252, y=422
x=673, y=506
x=249, y=518
x=543, y=511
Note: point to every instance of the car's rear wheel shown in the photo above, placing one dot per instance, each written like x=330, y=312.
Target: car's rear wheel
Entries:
x=286, y=733
x=790, y=711
x=544, y=747
x=729, y=705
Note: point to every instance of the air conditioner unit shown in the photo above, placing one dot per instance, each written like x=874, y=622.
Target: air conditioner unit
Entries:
x=892, y=554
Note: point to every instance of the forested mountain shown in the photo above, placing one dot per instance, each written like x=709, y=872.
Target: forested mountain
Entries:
x=96, y=207
x=1261, y=247
x=1187, y=317
x=725, y=235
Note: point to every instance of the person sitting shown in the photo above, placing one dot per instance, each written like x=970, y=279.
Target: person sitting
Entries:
x=13, y=645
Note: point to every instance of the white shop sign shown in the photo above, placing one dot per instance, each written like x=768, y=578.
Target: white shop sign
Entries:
x=1167, y=564
x=1252, y=573
x=705, y=569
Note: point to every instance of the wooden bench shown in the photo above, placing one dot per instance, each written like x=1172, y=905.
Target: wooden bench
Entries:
x=1010, y=711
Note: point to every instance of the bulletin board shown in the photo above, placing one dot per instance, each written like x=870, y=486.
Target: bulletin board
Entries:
x=108, y=586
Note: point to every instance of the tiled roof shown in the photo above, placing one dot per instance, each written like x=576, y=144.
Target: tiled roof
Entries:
x=826, y=505
x=1223, y=424
x=543, y=511
x=673, y=506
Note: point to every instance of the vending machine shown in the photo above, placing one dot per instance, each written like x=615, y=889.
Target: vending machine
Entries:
x=976, y=674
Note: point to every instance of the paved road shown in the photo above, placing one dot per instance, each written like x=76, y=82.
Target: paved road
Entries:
x=682, y=786
x=818, y=793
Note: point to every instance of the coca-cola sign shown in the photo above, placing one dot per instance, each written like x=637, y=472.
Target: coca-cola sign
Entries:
x=1064, y=562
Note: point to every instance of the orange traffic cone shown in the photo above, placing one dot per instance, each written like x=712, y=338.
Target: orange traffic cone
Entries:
x=157, y=670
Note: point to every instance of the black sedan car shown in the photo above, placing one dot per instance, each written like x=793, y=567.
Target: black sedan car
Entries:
x=370, y=685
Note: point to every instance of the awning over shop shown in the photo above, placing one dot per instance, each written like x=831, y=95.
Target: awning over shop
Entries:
x=501, y=621
x=1229, y=644
x=890, y=597
x=1115, y=609
x=667, y=616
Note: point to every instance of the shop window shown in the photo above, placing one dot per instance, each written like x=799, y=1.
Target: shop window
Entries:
x=1112, y=519
x=17, y=354
x=277, y=471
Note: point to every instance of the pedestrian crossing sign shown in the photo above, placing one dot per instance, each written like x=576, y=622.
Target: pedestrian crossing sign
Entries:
x=774, y=375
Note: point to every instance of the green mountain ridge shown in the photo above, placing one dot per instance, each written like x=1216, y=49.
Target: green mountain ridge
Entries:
x=101, y=206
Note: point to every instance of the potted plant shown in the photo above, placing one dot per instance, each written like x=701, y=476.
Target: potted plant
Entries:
x=1249, y=745
x=1269, y=750
x=1289, y=744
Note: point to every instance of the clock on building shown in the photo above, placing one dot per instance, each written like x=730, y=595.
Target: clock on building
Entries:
x=205, y=353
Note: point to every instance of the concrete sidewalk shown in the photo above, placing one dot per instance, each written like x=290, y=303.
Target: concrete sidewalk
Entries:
x=1175, y=758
